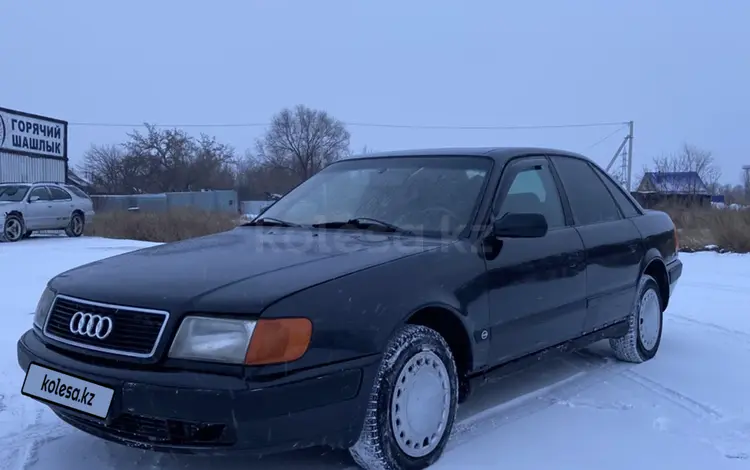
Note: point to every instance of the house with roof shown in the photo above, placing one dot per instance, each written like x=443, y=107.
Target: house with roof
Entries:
x=78, y=181
x=681, y=187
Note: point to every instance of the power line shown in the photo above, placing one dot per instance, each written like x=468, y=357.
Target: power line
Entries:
x=606, y=137
x=366, y=124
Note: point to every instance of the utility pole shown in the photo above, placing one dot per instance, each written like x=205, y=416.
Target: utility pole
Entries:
x=626, y=178
x=630, y=156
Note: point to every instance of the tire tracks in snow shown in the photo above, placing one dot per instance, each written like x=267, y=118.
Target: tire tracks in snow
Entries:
x=740, y=335
x=714, y=287
x=727, y=435
x=23, y=446
x=597, y=369
x=698, y=409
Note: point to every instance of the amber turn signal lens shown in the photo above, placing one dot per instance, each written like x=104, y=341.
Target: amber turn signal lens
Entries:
x=278, y=341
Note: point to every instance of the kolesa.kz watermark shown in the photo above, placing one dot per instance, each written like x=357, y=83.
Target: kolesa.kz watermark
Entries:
x=57, y=387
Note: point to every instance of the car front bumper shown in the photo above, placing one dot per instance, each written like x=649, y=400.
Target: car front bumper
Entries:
x=192, y=412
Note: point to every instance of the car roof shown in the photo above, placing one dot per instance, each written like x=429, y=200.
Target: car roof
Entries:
x=497, y=153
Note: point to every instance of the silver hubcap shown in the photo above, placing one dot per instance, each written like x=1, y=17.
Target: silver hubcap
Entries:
x=77, y=225
x=648, y=319
x=13, y=229
x=420, y=404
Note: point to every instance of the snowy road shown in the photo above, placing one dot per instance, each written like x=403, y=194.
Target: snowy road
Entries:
x=686, y=409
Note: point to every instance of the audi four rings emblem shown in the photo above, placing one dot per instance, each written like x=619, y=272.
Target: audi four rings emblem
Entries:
x=93, y=326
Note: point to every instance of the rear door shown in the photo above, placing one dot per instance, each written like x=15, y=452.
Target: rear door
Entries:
x=62, y=205
x=537, y=286
x=613, y=244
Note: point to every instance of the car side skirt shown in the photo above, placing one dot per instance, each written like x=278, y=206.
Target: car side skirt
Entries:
x=615, y=330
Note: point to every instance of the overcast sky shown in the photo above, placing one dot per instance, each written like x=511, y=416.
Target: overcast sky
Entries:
x=679, y=68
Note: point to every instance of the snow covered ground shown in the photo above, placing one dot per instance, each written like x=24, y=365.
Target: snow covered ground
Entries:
x=686, y=409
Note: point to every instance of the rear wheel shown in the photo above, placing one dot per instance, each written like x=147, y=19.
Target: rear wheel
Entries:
x=412, y=405
x=13, y=228
x=75, y=227
x=643, y=338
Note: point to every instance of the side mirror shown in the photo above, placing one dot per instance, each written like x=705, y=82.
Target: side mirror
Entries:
x=513, y=225
x=33, y=198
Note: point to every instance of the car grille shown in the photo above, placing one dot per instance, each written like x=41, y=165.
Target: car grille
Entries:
x=135, y=332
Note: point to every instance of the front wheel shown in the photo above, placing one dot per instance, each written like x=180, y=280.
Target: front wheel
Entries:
x=13, y=228
x=412, y=404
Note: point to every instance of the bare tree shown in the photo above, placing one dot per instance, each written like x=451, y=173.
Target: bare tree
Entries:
x=213, y=165
x=256, y=178
x=303, y=141
x=103, y=166
x=163, y=156
x=161, y=160
x=690, y=159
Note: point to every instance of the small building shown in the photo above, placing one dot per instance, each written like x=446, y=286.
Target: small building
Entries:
x=679, y=188
x=79, y=182
x=32, y=148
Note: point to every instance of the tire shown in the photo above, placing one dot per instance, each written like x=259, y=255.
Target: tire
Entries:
x=416, y=358
x=13, y=228
x=75, y=227
x=643, y=338
x=27, y=234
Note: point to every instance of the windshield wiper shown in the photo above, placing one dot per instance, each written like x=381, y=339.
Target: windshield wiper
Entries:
x=270, y=222
x=364, y=223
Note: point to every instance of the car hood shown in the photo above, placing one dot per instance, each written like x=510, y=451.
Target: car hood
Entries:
x=256, y=266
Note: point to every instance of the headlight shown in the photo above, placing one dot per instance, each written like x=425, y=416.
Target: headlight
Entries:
x=212, y=339
x=43, y=307
x=246, y=342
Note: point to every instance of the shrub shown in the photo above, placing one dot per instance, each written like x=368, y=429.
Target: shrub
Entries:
x=726, y=229
x=699, y=227
x=174, y=225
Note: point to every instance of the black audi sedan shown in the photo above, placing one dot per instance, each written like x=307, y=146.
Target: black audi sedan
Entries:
x=356, y=310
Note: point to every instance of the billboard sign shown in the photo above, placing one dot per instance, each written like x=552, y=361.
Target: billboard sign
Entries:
x=31, y=134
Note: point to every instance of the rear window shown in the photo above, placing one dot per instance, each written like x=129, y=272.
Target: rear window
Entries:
x=77, y=192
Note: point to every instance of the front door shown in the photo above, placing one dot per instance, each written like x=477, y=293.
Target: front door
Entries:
x=38, y=213
x=537, y=285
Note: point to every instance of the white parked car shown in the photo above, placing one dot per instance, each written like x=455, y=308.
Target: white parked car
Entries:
x=29, y=207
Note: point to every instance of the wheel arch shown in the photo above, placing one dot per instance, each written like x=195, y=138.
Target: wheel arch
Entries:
x=656, y=268
x=448, y=322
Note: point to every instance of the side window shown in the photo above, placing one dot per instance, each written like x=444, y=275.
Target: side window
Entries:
x=589, y=199
x=78, y=192
x=42, y=192
x=626, y=205
x=532, y=190
x=59, y=194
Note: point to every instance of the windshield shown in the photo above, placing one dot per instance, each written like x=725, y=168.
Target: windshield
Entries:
x=431, y=196
x=13, y=192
